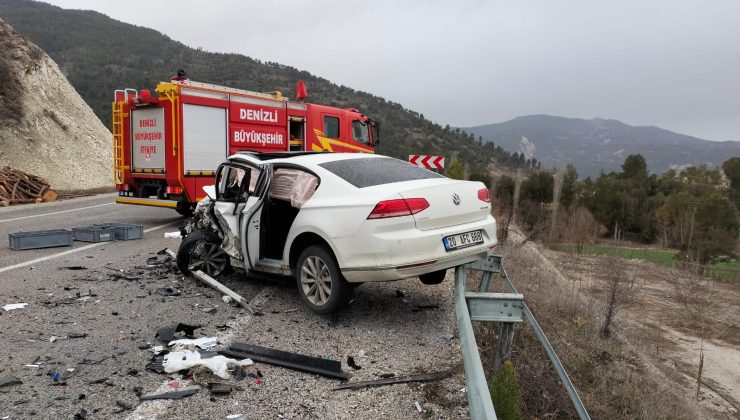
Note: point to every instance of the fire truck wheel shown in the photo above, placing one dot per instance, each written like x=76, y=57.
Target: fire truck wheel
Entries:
x=185, y=209
x=201, y=250
x=435, y=277
x=320, y=283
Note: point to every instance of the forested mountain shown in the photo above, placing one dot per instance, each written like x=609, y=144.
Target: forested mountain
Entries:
x=598, y=144
x=99, y=54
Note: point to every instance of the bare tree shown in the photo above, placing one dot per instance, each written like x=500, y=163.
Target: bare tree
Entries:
x=582, y=227
x=619, y=293
x=556, y=188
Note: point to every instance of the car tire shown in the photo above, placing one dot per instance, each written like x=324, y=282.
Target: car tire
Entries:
x=185, y=209
x=435, y=277
x=203, y=248
x=320, y=283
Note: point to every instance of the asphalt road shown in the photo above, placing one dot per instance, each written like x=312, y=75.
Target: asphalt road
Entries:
x=94, y=326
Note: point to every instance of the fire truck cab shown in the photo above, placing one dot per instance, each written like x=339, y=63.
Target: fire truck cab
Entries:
x=168, y=144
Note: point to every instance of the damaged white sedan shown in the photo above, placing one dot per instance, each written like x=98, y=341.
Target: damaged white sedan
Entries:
x=336, y=220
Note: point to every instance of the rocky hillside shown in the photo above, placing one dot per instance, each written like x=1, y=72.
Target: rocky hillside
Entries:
x=599, y=144
x=46, y=128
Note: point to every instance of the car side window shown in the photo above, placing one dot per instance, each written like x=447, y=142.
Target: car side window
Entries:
x=229, y=181
x=331, y=127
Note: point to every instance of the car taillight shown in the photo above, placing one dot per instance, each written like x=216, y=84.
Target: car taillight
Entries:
x=173, y=190
x=396, y=208
x=483, y=195
x=122, y=187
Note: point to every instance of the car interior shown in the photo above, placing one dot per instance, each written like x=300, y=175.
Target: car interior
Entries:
x=290, y=189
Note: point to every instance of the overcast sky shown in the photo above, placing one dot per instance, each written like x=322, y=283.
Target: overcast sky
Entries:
x=670, y=63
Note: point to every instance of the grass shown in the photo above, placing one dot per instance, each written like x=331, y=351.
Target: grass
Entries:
x=720, y=271
x=656, y=256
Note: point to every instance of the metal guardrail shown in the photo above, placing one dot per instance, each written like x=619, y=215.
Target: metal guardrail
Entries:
x=507, y=308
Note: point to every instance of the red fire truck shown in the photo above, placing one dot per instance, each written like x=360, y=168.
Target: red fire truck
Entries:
x=167, y=144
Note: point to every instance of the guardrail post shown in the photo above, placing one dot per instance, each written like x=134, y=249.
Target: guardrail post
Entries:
x=504, y=308
x=479, y=398
x=503, y=349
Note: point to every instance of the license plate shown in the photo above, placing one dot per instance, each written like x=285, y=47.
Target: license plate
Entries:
x=463, y=240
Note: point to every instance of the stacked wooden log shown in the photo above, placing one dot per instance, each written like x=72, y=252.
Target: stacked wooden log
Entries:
x=18, y=187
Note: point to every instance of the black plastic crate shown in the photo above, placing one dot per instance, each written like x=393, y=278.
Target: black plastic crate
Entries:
x=124, y=231
x=94, y=234
x=40, y=239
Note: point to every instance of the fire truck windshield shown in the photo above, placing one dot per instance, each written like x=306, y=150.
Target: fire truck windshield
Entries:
x=360, y=132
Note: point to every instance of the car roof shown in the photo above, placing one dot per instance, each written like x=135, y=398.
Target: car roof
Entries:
x=300, y=158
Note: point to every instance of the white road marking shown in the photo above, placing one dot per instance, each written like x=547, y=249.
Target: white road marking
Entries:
x=72, y=251
x=56, y=212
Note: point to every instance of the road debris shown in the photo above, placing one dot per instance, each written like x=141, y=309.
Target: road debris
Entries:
x=173, y=395
x=173, y=235
x=13, y=306
x=418, y=406
x=220, y=388
x=205, y=278
x=167, y=334
x=321, y=366
x=203, y=342
x=167, y=291
x=180, y=360
x=351, y=363
x=424, y=377
x=124, y=406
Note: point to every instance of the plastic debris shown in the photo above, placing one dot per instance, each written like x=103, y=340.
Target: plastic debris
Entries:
x=179, y=360
x=203, y=342
x=173, y=395
x=237, y=417
x=173, y=235
x=167, y=334
x=351, y=363
x=321, y=366
x=418, y=406
x=205, y=278
x=167, y=291
x=14, y=306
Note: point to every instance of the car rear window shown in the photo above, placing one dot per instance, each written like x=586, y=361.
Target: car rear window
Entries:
x=367, y=172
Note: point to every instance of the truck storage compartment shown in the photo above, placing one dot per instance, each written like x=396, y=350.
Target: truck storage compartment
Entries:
x=40, y=239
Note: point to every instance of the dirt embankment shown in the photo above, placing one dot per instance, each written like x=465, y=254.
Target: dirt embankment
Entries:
x=45, y=127
x=648, y=367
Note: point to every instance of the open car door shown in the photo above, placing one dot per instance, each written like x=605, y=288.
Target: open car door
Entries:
x=249, y=225
x=239, y=194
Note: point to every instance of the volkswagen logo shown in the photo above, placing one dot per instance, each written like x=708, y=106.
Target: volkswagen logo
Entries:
x=456, y=199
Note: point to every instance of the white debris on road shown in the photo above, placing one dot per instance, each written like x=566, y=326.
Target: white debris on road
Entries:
x=180, y=360
x=13, y=306
x=203, y=342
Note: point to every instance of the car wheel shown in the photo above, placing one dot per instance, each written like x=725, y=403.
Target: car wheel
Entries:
x=319, y=281
x=185, y=209
x=202, y=251
x=435, y=277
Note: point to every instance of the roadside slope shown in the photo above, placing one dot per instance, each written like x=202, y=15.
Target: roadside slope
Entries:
x=45, y=127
